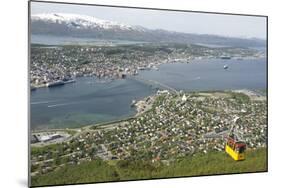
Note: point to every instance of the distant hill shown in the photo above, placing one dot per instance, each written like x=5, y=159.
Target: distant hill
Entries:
x=72, y=25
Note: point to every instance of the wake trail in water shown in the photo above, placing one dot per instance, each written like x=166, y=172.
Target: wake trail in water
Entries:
x=41, y=102
x=197, y=78
x=63, y=104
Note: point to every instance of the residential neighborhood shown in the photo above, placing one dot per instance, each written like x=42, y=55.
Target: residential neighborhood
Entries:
x=168, y=126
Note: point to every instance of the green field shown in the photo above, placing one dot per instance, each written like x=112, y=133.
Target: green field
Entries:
x=115, y=170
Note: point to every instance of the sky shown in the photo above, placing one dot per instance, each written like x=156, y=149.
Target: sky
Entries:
x=187, y=22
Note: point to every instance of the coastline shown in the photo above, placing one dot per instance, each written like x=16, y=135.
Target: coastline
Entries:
x=52, y=84
x=154, y=67
x=142, y=106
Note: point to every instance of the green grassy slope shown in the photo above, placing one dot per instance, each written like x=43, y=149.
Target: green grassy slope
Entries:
x=201, y=164
x=96, y=171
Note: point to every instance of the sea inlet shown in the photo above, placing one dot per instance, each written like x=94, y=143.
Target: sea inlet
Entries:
x=91, y=100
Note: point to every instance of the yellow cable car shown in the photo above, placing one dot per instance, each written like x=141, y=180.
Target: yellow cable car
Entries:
x=236, y=149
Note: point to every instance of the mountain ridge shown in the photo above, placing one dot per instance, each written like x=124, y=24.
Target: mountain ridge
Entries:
x=63, y=24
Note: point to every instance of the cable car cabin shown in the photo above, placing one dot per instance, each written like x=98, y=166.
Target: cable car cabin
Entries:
x=236, y=149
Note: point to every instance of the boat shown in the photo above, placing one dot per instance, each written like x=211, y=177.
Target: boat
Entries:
x=155, y=68
x=55, y=83
x=225, y=66
x=225, y=57
x=133, y=103
x=69, y=81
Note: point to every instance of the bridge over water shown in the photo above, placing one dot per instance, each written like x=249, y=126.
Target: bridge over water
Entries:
x=156, y=83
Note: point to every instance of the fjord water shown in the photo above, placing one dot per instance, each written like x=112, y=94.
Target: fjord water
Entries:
x=85, y=102
x=64, y=40
x=91, y=101
x=202, y=75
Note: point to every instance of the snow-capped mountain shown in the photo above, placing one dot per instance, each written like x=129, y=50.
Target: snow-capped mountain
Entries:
x=81, y=21
x=75, y=25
